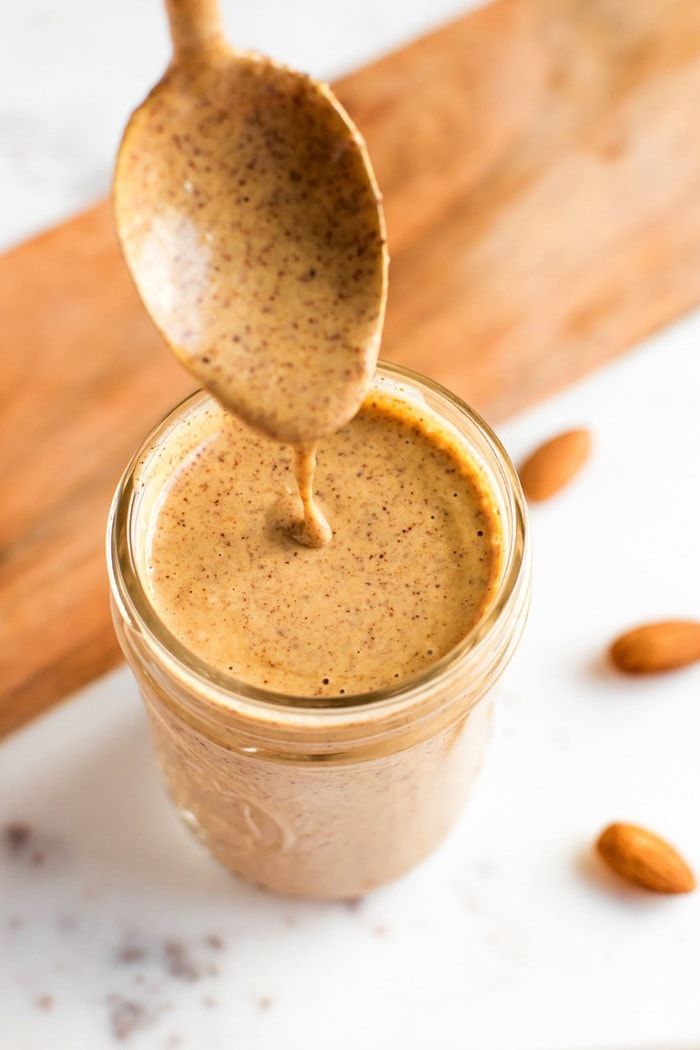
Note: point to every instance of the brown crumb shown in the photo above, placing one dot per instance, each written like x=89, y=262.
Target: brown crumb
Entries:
x=264, y=1002
x=44, y=1002
x=127, y=1016
x=16, y=836
x=214, y=941
x=179, y=962
x=353, y=903
x=130, y=953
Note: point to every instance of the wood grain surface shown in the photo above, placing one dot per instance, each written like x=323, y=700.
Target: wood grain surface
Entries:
x=540, y=161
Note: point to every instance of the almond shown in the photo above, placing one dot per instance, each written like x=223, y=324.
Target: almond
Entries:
x=654, y=647
x=551, y=466
x=642, y=858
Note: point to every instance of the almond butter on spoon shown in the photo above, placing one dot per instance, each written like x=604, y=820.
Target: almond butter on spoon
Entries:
x=251, y=221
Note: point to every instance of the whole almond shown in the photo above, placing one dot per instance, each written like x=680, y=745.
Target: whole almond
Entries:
x=551, y=466
x=644, y=859
x=655, y=647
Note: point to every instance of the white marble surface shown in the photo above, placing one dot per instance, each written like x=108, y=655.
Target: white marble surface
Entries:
x=116, y=929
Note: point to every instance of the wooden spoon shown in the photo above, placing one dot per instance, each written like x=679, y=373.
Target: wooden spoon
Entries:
x=250, y=218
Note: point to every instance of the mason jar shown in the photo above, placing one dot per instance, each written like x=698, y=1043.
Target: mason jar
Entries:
x=318, y=797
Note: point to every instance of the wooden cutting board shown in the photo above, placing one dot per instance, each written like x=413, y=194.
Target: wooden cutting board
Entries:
x=540, y=161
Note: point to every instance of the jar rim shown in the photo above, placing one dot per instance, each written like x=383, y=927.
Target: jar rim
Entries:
x=227, y=691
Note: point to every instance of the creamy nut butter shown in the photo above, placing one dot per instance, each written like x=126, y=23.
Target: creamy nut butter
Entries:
x=411, y=567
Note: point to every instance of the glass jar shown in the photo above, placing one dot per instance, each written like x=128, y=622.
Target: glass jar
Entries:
x=307, y=796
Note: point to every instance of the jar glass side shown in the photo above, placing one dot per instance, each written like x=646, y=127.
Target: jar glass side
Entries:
x=322, y=799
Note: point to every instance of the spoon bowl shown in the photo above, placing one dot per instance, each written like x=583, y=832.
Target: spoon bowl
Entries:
x=250, y=218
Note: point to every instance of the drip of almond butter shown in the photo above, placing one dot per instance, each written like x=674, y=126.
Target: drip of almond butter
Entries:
x=314, y=530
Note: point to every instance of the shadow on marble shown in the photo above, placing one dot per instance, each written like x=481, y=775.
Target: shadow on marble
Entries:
x=598, y=667
x=634, y=898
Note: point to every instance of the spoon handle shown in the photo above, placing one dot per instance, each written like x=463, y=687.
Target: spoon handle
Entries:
x=194, y=25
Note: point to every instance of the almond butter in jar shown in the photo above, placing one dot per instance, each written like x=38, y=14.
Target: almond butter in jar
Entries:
x=314, y=763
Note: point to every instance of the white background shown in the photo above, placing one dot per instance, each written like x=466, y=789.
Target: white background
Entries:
x=512, y=935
